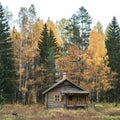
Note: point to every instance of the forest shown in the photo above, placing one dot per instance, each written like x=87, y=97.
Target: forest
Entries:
x=34, y=53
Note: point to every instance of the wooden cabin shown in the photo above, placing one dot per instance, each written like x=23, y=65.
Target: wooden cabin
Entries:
x=65, y=94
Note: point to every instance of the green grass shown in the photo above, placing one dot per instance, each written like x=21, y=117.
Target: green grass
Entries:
x=8, y=119
x=109, y=111
x=108, y=117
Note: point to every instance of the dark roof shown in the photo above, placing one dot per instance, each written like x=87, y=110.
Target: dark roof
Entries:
x=71, y=90
x=74, y=89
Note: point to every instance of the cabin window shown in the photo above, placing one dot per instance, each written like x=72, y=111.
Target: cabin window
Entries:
x=57, y=98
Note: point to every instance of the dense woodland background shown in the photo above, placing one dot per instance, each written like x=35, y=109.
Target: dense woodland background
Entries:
x=35, y=53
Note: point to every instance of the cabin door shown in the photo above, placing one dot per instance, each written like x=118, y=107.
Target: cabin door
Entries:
x=71, y=100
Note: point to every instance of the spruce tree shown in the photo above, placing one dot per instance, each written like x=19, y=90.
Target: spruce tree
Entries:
x=48, y=50
x=113, y=52
x=7, y=70
x=43, y=45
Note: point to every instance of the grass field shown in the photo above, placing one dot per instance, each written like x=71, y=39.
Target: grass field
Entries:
x=38, y=112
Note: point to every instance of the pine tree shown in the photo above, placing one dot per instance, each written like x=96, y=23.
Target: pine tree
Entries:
x=113, y=52
x=84, y=23
x=73, y=30
x=79, y=28
x=7, y=70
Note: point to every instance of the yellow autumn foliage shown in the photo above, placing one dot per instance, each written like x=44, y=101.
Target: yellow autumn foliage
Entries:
x=51, y=25
x=97, y=73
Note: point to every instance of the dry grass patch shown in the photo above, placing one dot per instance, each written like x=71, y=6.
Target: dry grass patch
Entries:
x=63, y=114
x=38, y=112
x=113, y=112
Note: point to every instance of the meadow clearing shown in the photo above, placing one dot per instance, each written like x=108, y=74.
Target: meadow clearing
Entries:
x=39, y=112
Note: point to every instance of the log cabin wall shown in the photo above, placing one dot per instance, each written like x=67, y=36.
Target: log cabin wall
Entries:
x=50, y=101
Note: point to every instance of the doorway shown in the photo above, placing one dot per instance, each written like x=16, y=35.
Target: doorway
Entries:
x=71, y=100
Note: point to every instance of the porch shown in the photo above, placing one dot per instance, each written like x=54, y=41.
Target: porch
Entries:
x=76, y=106
x=76, y=100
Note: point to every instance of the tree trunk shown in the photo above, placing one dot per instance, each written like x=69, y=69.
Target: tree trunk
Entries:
x=97, y=97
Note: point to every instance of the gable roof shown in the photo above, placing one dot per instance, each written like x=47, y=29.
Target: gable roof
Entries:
x=70, y=91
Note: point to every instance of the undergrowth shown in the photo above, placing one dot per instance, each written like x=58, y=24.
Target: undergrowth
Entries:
x=38, y=112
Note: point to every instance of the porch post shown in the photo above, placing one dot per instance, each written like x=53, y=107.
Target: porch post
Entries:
x=47, y=100
x=66, y=101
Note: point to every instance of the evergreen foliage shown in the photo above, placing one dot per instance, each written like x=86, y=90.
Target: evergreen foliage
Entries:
x=113, y=51
x=73, y=30
x=7, y=71
x=48, y=50
x=43, y=45
x=79, y=28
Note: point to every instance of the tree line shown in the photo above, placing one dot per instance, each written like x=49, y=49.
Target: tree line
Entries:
x=35, y=55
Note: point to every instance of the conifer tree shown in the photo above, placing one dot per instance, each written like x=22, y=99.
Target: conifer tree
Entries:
x=113, y=52
x=79, y=28
x=43, y=45
x=73, y=30
x=49, y=50
x=7, y=70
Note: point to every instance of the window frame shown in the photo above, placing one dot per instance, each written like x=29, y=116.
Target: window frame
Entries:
x=57, y=98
